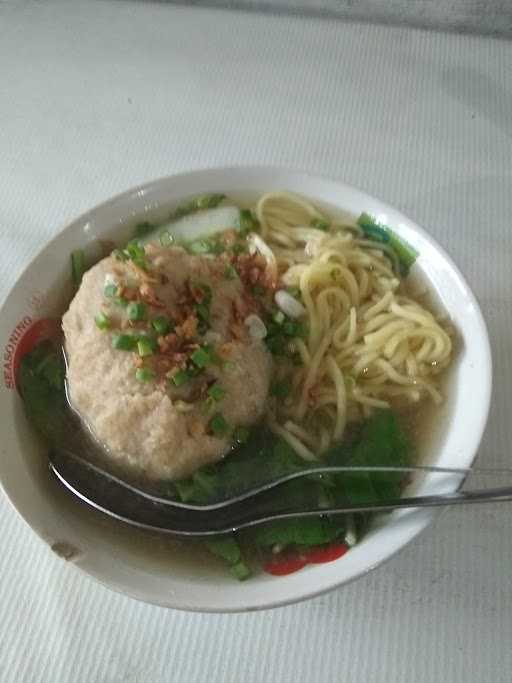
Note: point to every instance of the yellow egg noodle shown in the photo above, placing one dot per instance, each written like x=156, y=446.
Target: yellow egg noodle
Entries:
x=368, y=343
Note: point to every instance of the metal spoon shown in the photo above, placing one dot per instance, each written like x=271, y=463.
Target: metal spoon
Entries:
x=116, y=498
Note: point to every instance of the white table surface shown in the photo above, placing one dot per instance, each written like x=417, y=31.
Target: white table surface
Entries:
x=97, y=97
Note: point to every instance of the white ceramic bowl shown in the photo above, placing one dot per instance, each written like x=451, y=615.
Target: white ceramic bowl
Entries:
x=127, y=561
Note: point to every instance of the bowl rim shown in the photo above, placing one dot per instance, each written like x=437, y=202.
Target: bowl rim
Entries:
x=417, y=525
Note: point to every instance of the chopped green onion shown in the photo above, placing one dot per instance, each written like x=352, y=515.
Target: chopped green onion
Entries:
x=162, y=325
x=102, y=321
x=294, y=291
x=241, y=434
x=279, y=317
x=205, y=290
x=77, y=266
x=119, y=255
x=280, y=389
x=166, y=239
x=110, y=290
x=209, y=201
x=135, y=249
x=320, y=224
x=293, y=329
x=205, y=201
x=124, y=342
x=136, y=252
x=216, y=392
x=202, y=357
x=144, y=374
x=121, y=301
x=218, y=425
x=199, y=247
x=145, y=347
x=136, y=311
x=203, y=312
x=381, y=233
x=206, y=246
x=258, y=290
x=180, y=378
x=247, y=222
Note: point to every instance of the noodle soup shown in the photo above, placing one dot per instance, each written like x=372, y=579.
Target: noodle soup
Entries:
x=231, y=345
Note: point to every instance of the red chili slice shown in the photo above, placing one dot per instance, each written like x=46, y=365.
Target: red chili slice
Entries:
x=326, y=554
x=280, y=566
x=285, y=565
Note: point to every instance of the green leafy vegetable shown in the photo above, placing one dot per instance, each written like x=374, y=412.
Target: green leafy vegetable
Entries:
x=263, y=457
x=244, y=468
x=307, y=531
x=380, y=233
x=41, y=383
x=381, y=442
x=241, y=435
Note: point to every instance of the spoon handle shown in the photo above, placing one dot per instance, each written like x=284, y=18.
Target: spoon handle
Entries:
x=494, y=495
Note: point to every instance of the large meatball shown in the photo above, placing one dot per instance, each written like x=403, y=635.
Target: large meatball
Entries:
x=148, y=421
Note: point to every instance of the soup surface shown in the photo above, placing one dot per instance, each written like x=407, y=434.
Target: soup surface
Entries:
x=241, y=341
